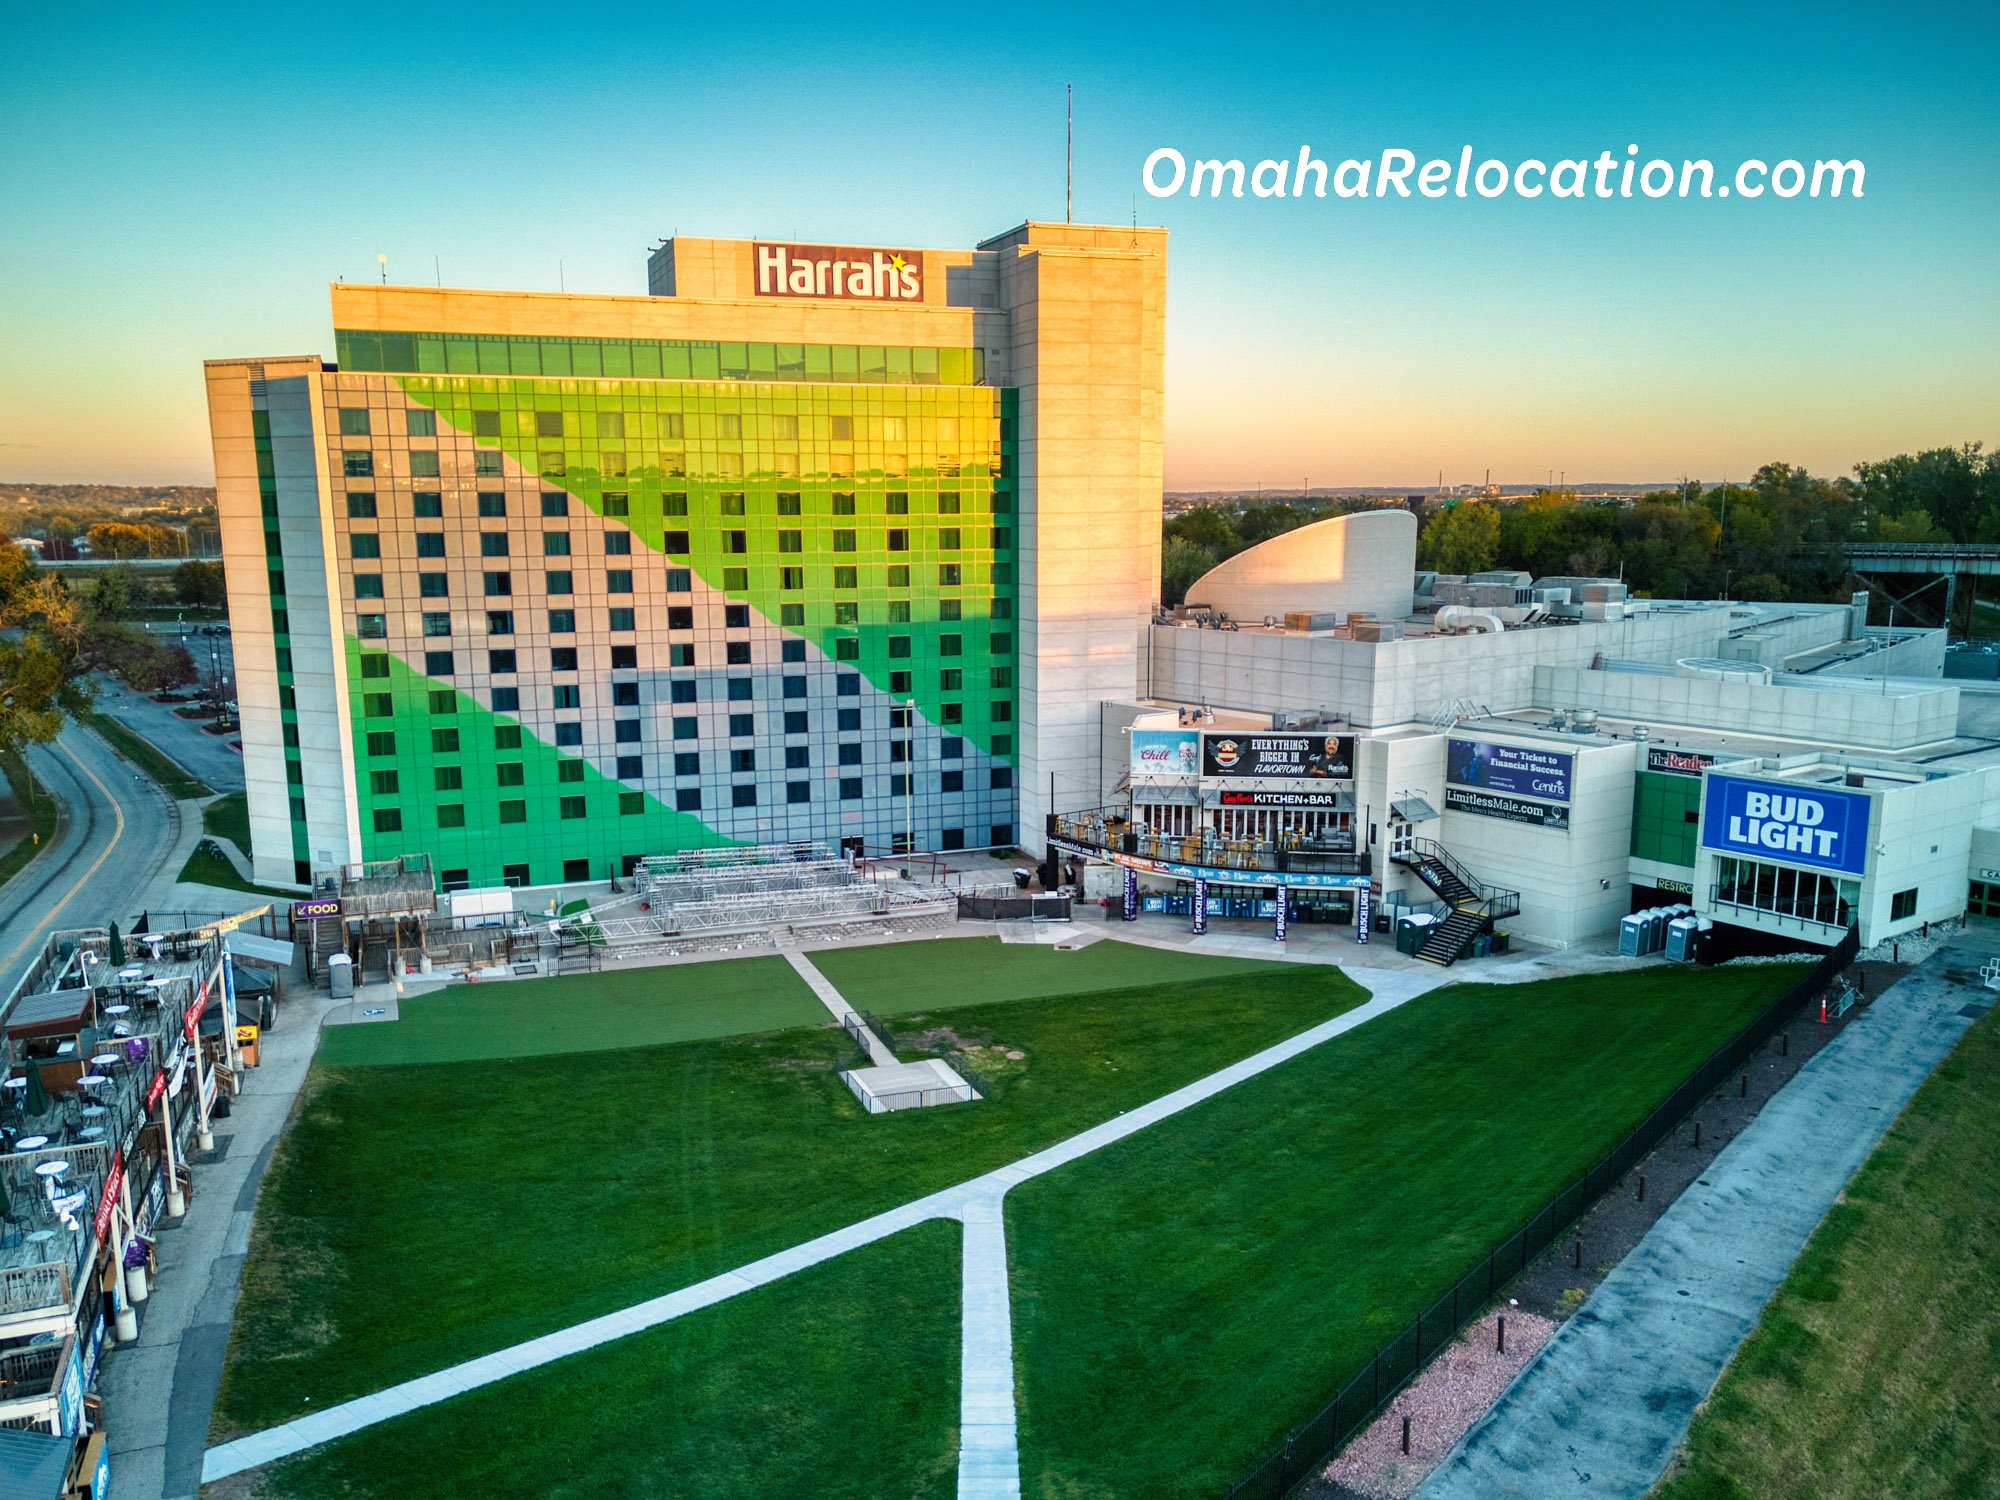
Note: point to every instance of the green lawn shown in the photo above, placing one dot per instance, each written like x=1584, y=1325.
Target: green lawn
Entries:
x=42, y=815
x=1185, y=1297
x=147, y=757
x=894, y=978
x=839, y=1383
x=228, y=817
x=208, y=866
x=419, y=1215
x=1873, y=1371
x=584, y=1013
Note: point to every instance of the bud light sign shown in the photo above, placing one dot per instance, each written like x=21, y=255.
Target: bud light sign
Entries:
x=1794, y=825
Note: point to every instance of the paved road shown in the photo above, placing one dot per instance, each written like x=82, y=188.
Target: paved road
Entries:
x=205, y=755
x=1603, y=1406
x=117, y=840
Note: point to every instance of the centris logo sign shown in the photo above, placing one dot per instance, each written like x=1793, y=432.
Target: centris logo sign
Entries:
x=839, y=271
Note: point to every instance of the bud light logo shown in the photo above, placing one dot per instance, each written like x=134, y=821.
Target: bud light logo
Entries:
x=1784, y=824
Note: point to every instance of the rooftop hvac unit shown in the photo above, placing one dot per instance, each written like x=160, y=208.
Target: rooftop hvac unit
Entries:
x=1641, y=733
x=1457, y=619
x=1307, y=621
x=1378, y=630
x=1603, y=609
x=1583, y=721
x=1356, y=616
x=1602, y=593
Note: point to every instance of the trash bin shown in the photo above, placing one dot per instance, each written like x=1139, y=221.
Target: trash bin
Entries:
x=340, y=976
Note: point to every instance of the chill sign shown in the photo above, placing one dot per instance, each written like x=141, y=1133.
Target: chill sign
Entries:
x=839, y=271
x=1794, y=825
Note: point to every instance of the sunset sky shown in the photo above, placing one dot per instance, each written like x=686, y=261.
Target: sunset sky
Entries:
x=180, y=185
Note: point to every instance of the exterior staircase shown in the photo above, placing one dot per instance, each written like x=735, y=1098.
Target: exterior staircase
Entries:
x=1473, y=905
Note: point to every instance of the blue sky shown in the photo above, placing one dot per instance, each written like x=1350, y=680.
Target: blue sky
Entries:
x=181, y=185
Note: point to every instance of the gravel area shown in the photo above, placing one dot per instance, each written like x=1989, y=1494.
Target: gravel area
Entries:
x=1445, y=1400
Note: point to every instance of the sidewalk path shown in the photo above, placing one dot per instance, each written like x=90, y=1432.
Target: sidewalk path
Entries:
x=836, y=1002
x=989, y=1457
x=1603, y=1408
x=965, y=1202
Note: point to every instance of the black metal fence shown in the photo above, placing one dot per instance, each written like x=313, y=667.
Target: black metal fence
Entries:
x=986, y=908
x=1367, y=1390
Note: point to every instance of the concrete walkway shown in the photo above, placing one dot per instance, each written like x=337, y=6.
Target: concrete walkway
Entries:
x=989, y=1458
x=1605, y=1405
x=966, y=1202
x=836, y=1002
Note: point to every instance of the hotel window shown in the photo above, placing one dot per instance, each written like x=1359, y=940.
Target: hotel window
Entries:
x=506, y=700
x=510, y=773
x=680, y=617
x=433, y=586
x=951, y=645
x=557, y=581
x=631, y=802
x=687, y=729
x=736, y=616
x=899, y=576
x=625, y=694
x=791, y=580
x=365, y=544
x=371, y=627
x=499, y=661
x=899, y=611
x=616, y=581
x=451, y=815
x=555, y=544
x=499, y=622
x=562, y=659
x=948, y=539
x=847, y=578
x=555, y=503
x=788, y=503
x=447, y=778
x=737, y=653
x=488, y=465
x=674, y=503
x=611, y=424
x=423, y=463
x=615, y=505
x=948, y=575
x=897, y=502
x=562, y=622
x=430, y=544
x=354, y=421
x=374, y=664
x=688, y=799
x=506, y=736
x=623, y=619
x=357, y=464
x=624, y=658
x=846, y=612
x=378, y=705
x=674, y=543
x=388, y=820
x=743, y=761
x=791, y=541
x=951, y=680
x=492, y=544
x=419, y=421
x=568, y=695
x=899, y=682
x=361, y=505
x=947, y=502
x=437, y=622
x=368, y=585
x=514, y=810
x=736, y=542
x=743, y=796
x=548, y=424
x=381, y=742
x=797, y=721
x=443, y=701
x=899, y=541
x=732, y=502
x=499, y=585
x=843, y=500
x=842, y=429
x=843, y=541
x=631, y=767
x=618, y=544
x=438, y=664
x=427, y=504
x=785, y=426
x=492, y=503
x=486, y=424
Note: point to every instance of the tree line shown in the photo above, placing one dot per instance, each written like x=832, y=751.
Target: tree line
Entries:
x=1780, y=536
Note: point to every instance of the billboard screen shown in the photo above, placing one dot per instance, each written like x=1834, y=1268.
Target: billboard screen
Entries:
x=1325, y=756
x=1517, y=770
x=1511, y=809
x=1166, y=752
x=1794, y=825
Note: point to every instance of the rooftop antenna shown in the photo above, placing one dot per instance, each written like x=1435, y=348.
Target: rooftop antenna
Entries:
x=1069, y=152
x=561, y=285
x=437, y=268
x=383, y=262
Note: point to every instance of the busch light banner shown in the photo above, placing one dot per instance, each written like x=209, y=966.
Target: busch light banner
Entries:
x=1516, y=770
x=1200, y=907
x=1364, y=912
x=1166, y=752
x=1131, y=912
x=1283, y=913
x=1789, y=824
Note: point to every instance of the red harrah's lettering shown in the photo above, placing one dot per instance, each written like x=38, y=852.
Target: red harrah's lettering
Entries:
x=839, y=271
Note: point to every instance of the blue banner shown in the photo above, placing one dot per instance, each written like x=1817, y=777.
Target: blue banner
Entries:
x=1200, y=906
x=1364, y=913
x=1786, y=823
x=1283, y=904
x=1131, y=912
x=1520, y=770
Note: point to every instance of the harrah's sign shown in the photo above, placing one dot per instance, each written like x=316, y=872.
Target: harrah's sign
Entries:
x=839, y=271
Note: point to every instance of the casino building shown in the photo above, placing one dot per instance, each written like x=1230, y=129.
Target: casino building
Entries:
x=811, y=542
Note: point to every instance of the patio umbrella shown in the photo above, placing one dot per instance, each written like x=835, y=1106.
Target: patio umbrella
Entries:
x=117, y=946
x=36, y=1101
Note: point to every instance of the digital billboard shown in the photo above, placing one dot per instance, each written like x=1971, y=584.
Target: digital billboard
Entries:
x=1166, y=752
x=1517, y=770
x=1329, y=756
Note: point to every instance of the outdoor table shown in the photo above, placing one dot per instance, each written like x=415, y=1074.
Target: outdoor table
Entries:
x=91, y=1133
x=17, y=1083
x=51, y=1168
x=92, y=1080
x=31, y=1143
x=117, y=1010
x=106, y=1060
x=41, y=1236
x=93, y=1111
x=133, y=972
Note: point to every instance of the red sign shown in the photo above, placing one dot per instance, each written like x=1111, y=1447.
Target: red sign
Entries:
x=191, y=1022
x=108, y=1199
x=849, y=273
x=156, y=1088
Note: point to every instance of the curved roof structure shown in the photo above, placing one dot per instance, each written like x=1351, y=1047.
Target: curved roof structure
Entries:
x=1366, y=561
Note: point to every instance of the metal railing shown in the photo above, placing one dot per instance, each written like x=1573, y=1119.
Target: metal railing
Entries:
x=1490, y=901
x=1369, y=1387
x=1111, y=830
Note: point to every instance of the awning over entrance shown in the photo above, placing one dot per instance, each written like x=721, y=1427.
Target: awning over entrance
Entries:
x=1412, y=810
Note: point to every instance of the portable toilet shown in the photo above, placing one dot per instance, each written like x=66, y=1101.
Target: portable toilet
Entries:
x=1410, y=931
x=1632, y=935
x=340, y=976
x=1680, y=938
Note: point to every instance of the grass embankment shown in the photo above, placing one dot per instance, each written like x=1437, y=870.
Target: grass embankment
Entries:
x=840, y=1383
x=1185, y=1297
x=227, y=817
x=418, y=1215
x=147, y=757
x=583, y=1013
x=1873, y=1371
x=893, y=978
x=42, y=815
